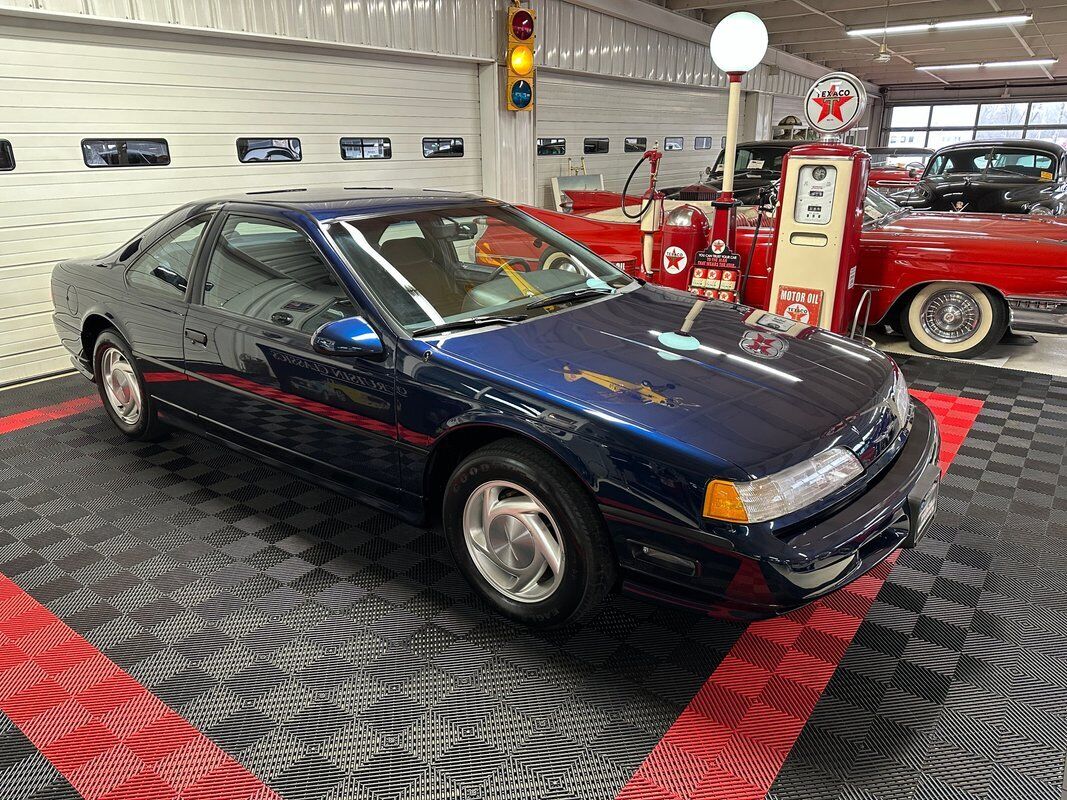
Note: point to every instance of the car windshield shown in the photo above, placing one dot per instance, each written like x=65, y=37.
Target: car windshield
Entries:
x=1009, y=160
x=460, y=265
x=899, y=158
x=755, y=158
x=877, y=208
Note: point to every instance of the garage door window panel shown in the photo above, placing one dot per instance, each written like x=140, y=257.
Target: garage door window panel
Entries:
x=165, y=266
x=101, y=153
x=596, y=145
x=263, y=150
x=267, y=271
x=635, y=144
x=361, y=148
x=674, y=143
x=7, y=156
x=442, y=147
x=702, y=143
x=551, y=146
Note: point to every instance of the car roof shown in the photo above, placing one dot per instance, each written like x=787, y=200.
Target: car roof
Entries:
x=900, y=151
x=330, y=203
x=1029, y=144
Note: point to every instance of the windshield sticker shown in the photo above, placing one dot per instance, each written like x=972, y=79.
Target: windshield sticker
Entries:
x=756, y=163
x=1046, y=176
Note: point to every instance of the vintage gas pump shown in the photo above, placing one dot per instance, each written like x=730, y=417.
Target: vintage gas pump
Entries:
x=820, y=212
x=651, y=213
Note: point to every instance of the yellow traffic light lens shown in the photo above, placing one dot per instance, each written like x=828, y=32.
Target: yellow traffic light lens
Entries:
x=721, y=501
x=521, y=60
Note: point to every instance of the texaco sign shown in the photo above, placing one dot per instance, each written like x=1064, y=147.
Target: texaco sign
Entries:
x=835, y=103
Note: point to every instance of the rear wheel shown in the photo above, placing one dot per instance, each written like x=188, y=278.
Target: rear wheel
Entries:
x=526, y=535
x=959, y=320
x=122, y=388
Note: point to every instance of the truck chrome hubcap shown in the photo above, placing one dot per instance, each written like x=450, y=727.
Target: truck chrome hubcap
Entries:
x=951, y=316
x=120, y=385
x=513, y=541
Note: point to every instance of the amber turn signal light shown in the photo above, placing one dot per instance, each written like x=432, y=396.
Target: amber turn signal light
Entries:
x=722, y=501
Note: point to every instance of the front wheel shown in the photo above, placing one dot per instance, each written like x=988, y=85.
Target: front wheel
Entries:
x=526, y=535
x=959, y=320
x=122, y=388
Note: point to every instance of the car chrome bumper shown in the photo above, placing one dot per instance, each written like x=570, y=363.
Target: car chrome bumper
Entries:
x=1038, y=314
x=894, y=512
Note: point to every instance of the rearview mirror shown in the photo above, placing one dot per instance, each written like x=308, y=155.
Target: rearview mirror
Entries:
x=347, y=337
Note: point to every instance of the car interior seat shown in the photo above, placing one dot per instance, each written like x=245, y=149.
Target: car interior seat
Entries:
x=414, y=259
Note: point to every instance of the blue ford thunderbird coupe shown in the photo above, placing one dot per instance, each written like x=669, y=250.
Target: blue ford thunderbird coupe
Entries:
x=547, y=410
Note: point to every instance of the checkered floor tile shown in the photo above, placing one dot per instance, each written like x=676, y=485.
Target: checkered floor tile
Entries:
x=336, y=653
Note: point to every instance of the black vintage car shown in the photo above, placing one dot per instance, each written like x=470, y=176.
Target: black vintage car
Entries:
x=1014, y=176
x=758, y=165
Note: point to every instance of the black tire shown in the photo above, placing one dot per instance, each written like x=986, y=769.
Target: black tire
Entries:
x=589, y=565
x=147, y=426
x=991, y=315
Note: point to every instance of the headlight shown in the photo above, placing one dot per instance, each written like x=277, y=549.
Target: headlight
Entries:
x=899, y=398
x=784, y=492
x=1041, y=211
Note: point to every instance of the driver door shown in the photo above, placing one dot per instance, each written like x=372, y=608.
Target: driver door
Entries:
x=256, y=379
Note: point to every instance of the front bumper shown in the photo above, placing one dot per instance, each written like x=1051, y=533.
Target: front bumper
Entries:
x=746, y=579
x=1038, y=314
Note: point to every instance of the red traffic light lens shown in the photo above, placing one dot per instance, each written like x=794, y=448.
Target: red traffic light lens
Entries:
x=522, y=24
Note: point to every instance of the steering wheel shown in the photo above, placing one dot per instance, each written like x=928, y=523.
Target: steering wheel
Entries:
x=522, y=263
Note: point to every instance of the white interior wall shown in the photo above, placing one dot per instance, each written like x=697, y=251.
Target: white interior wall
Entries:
x=64, y=84
x=575, y=107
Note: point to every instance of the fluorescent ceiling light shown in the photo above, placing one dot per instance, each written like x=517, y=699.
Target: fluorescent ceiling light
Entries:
x=1026, y=62
x=943, y=25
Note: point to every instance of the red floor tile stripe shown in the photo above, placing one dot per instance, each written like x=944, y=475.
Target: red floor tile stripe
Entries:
x=732, y=739
x=106, y=733
x=36, y=416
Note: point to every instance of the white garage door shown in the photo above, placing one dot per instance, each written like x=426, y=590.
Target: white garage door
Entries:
x=64, y=85
x=575, y=108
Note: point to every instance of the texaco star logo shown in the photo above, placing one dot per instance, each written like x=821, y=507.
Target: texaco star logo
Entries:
x=718, y=247
x=762, y=346
x=835, y=102
x=831, y=102
x=674, y=259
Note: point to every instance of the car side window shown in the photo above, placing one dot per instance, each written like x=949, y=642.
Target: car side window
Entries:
x=165, y=266
x=270, y=272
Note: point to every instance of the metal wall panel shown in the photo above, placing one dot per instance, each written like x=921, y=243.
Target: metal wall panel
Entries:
x=576, y=106
x=65, y=83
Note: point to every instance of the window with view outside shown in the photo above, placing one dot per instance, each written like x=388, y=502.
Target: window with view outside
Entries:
x=902, y=138
x=910, y=117
x=954, y=116
x=938, y=139
x=1002, y=114
x=986, y=135
x=1053, y=113
x=432, y=267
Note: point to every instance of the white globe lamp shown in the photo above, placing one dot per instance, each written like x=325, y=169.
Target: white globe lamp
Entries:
x=738, y=45
x=739, y=42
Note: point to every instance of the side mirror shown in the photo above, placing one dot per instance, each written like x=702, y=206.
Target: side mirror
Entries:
x=914, y=170
x=347, y=337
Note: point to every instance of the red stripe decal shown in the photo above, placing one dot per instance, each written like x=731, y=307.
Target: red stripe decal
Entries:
x=108, y=735
x=36, y=416
x=733, y=737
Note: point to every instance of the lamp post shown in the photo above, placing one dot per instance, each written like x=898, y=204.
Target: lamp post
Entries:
x=738, y=44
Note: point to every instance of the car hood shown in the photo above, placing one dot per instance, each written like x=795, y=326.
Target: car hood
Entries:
x=749, y=395
x=972, y=228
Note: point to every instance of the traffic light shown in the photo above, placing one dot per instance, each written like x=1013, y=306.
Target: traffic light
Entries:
x=519, y=87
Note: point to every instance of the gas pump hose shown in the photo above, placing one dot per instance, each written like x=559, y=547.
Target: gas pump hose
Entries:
x=626, y=190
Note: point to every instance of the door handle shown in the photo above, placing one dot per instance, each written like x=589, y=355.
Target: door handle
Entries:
x=196, y=337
